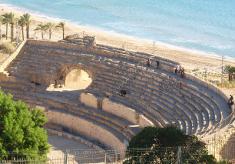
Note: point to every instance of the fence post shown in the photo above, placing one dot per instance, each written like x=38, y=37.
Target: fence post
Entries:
x=105, y=158
x=116, y=159
x=66, y=157
x=214, y=145
x=179, y=154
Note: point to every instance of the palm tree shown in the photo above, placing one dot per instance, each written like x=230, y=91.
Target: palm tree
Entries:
x=22, y=23
x=1, y=22
x=50, y=27
x=12, y=23
x=5, y=20
x=41, y=27
x=27, y=21
x=62, y=26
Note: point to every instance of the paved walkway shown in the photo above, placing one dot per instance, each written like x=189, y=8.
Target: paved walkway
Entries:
x=61, y=144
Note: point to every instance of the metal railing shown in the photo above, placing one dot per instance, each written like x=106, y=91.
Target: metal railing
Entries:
x=163, y=155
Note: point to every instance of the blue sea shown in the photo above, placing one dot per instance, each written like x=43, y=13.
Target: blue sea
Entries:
x=204, y=25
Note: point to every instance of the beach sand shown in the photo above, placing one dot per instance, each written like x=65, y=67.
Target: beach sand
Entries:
x=189, y=59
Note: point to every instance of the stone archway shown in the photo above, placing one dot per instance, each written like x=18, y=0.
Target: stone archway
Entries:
x=71, y=78
x=77, y=79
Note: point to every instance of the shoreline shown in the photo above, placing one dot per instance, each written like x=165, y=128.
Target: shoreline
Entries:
x=189, y=58
x=111, y=32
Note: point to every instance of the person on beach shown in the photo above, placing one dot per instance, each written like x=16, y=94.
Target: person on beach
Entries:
x=56, y=84
x=175, y=70
x=230, y=101
x=178, y=68
x=123, y=92
x=182, y=73
x=158, y=63
x=148, y=62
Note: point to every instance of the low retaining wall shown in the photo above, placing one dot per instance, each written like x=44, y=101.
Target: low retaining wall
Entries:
x=116, y=109
x=4, y=65
x=125, y=112
x=120, y=110
x=86, y=128
x=144, y=121
x=207, y=85
x=75, y=138
x=89, y=100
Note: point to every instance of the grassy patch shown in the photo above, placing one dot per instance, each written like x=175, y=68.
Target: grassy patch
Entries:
x=7, y=48
x=226, y=84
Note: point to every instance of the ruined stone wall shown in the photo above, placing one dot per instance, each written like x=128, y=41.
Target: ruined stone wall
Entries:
x=115, y=109
x=89, y=100
x=125, y=112
x=44, y=62
x=108, y=51
x=86, y=128
x=120, y=110
x=71, y=50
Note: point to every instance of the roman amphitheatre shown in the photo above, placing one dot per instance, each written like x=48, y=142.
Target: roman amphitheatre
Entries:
x=102, y=96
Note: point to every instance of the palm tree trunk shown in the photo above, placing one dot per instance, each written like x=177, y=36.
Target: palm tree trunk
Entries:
x=0, y=32
x=27, y=31
x=6, y=31
x=42, y=35
x=50, y=33
x=22, y=32
x=12, y=32
x=63, y=33
x=230, y=77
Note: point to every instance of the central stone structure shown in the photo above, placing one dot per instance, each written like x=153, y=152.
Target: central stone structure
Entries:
x=77, y=79
x=71, y=79
x=106, y=94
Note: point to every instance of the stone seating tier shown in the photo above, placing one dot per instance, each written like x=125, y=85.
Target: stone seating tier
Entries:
x=118, y=126
x=212, y=115
x=157, y=93
x=111, y=79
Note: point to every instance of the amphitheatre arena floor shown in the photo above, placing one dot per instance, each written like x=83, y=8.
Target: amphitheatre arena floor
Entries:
x=63, y=144
x=59, y=145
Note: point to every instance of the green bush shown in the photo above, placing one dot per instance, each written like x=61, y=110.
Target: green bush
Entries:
x=7, y=48
x=21, y=133
x=229, y=69
x=161, y=146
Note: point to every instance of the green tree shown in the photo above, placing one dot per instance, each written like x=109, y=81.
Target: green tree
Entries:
x=50, y=27
x=42, y=28
x=22, y=135
x=12, y=21
x=61, y=25
x=229, y=70
x=1, y=22
x=161, y=146
x=27, y=20
x=6, y=21
x=22, y=24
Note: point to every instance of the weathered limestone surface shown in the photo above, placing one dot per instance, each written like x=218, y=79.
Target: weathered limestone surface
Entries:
x=86, y=128
x=125, y=112
x=11, y=57
x=153, y=94
x=89, y=100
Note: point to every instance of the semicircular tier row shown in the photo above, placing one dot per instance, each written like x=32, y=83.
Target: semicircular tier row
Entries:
x=154, y=92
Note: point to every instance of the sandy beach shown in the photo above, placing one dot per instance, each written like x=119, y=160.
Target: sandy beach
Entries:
x=190, y=59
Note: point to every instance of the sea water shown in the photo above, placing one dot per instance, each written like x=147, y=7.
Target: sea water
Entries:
x=204, y=25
